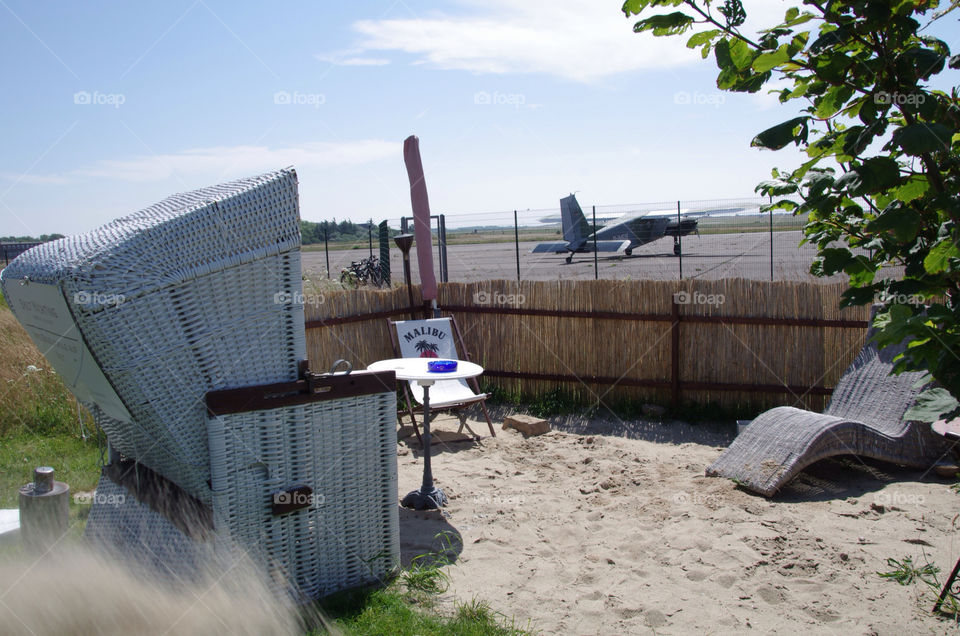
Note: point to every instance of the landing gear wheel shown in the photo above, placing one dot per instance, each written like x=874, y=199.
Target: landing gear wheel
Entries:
x=569, y=259
x=627, y=252
x=676, y=248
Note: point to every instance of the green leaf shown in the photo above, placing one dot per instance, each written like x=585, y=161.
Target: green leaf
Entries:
x=855, y=296
x=832, y=101
x=741, y=54
x=922, y=62
x=767, y=61
x=634, y=7
x=897, y=219
x=855, y=140
x=800, y=19
x=915, y=187
x=938, y=259
x=775, y=188
x=835, y=259
x=665, y=24
x=701, y=38
x=917, y=139
x=798, y=42
x=871, y=177
x=931, y=405
x=777, y=137
x=860, y=270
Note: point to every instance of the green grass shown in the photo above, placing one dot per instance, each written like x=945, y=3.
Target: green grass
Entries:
x=75, y=460
x=408, y=606
x=905, y=572
x=390, y=611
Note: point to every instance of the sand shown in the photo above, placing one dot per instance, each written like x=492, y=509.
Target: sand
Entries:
x=605, y=527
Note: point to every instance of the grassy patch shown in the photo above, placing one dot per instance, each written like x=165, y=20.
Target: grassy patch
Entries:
x=405, y=609
x=76, y=461
x=390, y=612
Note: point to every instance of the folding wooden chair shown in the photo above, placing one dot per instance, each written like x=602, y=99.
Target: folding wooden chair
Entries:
x=437, y=338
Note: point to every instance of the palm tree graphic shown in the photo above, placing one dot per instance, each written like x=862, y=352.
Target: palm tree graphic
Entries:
x=427, y=349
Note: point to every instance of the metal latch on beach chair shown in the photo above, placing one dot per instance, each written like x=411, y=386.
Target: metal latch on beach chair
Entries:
x=313, y=379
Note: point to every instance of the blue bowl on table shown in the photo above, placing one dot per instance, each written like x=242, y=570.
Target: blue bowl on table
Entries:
x=442, y=366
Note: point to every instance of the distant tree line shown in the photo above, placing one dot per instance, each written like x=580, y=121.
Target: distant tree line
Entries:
x=30, y=239
x=311, y=232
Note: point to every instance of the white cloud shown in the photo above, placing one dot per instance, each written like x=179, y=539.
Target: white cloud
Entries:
x=351, y=57
x=580, y=40
x=36, y=179
x=230, y=161
x=364, y=61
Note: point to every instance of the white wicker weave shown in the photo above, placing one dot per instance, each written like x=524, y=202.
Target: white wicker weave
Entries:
x=195, y=293
x=201, y=293
x=119, y=524
x=347, y=536
x=345, y=450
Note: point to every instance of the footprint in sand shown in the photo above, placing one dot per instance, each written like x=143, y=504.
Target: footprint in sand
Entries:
x=771, y=594
x=697, y=575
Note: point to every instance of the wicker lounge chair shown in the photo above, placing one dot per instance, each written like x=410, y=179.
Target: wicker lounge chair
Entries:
x=437, y=338
x=155, y=321
x=864, y=418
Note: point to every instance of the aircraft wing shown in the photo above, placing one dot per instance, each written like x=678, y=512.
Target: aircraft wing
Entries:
x=587, y=246
x=606, y=246
x=695, y=213
x=550, y=247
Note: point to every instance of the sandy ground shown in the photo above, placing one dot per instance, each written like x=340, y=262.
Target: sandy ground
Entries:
x=710, y=257
x=612, y=528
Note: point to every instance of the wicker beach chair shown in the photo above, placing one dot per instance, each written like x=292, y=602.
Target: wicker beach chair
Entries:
x=152, y=317
x=864, y=418
x=437, y=338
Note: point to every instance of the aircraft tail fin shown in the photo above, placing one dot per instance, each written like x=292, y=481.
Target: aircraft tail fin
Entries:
x=575, y=226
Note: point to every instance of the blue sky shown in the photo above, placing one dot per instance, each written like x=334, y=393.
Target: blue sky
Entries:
x=111, y=106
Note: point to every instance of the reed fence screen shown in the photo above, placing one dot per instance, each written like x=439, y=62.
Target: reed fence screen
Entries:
x=739, y=344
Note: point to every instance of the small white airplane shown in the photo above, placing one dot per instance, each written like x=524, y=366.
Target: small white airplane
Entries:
x=622, y=233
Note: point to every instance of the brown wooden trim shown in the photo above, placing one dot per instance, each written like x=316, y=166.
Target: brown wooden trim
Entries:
x=756, y=388
x=555, y=313
x=779, y=322
x=585, y=379
x=612, y=315
x=313, y=389
x=343, y=320
x=661, y=384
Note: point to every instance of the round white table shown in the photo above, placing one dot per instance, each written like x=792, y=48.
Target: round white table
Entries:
x=415, y=369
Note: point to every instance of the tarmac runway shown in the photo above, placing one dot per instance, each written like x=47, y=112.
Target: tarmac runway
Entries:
x=708, y=257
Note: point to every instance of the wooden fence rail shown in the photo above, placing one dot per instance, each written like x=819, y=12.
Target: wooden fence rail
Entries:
x=735, y=343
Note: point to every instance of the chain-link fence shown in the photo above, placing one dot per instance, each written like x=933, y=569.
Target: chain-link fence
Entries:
x=705, y=239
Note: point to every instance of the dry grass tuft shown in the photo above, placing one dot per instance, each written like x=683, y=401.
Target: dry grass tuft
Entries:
x=32, y=396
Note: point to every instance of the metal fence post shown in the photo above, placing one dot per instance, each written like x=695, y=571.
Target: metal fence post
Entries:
x=383, y=235
x=679, y=242
x=596, y=261
x=326, y=246
x=442, y=240
x=771, y=238
x=516, y=241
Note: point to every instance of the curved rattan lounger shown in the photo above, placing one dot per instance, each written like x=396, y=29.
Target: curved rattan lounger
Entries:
x=864, y=418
